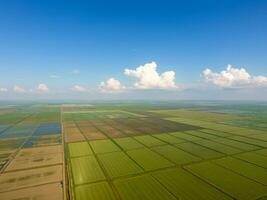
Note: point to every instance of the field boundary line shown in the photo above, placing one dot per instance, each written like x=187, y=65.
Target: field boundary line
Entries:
x=108, y=179
x=246, y=177
x=211, y=184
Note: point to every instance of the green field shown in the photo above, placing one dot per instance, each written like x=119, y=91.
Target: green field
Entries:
x=132, y=152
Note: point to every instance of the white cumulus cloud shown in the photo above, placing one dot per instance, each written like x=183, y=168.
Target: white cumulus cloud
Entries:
x=111, y=85
x=42, y=88
x=233, y=77
x=78, y=88
x=260, y=80
x=3, y=89
x=149, y=78
x=18, y=89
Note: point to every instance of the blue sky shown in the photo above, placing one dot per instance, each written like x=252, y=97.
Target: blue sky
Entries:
x=63, y=44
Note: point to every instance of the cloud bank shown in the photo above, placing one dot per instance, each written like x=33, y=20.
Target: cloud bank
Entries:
x=78, y=88
x=3, y=89
x=149, y=78
x=111, y=85
x=42, y=88
x=18, y=89
x=148, y=81
x=234, y=78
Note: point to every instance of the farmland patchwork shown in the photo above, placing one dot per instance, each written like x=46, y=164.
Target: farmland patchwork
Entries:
x=31, y=156
x=125, y=153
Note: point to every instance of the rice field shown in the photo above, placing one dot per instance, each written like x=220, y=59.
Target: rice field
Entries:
x=130, y=152
x=31, y=155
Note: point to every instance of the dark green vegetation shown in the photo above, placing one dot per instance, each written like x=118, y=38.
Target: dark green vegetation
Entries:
x=140, y=151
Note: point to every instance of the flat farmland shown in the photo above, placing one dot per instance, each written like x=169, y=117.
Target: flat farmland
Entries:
x=116, y=152
x=119, y=164
x=31, y=155
x=85, y=170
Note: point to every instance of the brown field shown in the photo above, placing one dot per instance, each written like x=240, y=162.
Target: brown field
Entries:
x=52, y=191
x=110, y=131
x=83, y=123
x=69, y=124
x=26, y=178
x=27, y=161
x=74, y=137
x=68, y=131
x=92, y=133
